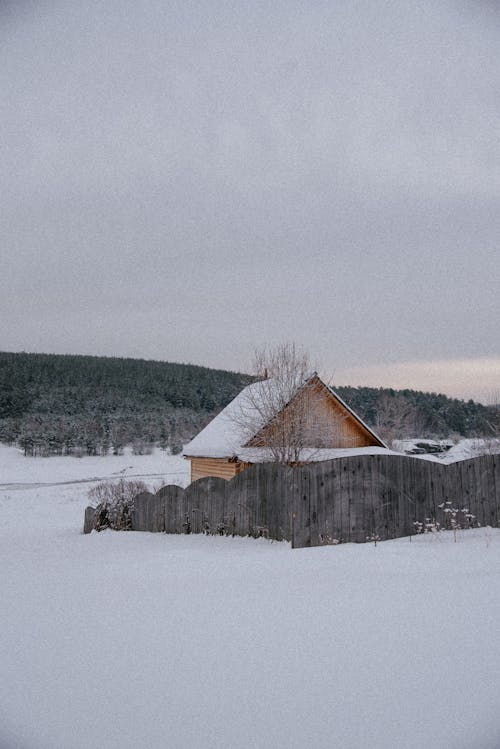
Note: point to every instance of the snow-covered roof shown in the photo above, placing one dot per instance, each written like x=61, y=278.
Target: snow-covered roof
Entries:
x=311, y=454
x=227, y=434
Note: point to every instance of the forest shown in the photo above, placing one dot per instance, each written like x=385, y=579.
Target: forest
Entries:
x=53, y=404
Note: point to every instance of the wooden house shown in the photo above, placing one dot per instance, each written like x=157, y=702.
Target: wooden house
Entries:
x=244, y=433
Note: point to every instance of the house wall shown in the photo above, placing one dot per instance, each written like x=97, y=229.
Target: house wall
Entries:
x=221, y=467
x=324, y=422
x=330, y=425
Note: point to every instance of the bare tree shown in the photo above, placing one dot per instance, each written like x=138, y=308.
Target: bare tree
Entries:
x=275, y=413
x=489, y=444
x=397, y=418
x=493, y=404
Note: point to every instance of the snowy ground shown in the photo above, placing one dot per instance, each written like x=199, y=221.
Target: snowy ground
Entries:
x=461, y=450
x=130, y=640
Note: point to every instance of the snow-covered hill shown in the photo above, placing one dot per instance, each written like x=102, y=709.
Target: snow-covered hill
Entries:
x=128, y=640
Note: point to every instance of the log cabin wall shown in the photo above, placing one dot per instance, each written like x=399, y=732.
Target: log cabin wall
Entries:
x=324, y=422
x=220, y=467
x=329, y=424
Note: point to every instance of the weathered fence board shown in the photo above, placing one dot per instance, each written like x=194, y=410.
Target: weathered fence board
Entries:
x=345, y=499
x=148, y=513
x=88, y=521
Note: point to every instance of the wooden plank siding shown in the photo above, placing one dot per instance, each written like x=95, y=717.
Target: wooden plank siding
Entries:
x=222, y=468
x=329, y=423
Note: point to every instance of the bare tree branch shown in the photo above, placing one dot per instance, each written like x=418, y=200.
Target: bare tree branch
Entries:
x=284, y=412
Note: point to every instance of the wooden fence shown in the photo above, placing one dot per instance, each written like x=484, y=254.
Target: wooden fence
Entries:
x=345, y=499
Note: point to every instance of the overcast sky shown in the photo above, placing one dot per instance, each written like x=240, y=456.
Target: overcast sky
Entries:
x=186, y=181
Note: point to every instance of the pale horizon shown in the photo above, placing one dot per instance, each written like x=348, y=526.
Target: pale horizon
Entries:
x=476, y=379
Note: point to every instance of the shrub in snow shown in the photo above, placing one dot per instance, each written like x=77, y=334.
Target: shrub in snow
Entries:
x=454, y=519
x=326, y=539
x=175, y=446
x=428, y=525
x=113, y=503
x=374, y=537
x=141, y=447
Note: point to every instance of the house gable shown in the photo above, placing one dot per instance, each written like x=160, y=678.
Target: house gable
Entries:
x=325, y=420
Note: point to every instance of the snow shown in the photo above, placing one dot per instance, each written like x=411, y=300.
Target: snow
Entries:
x=312, y=454
x=158, y=467
x=462, y=450
x=469, y=448
x=224, y=436
x=126, y=640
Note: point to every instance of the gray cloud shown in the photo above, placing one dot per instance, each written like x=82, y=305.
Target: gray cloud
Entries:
x=186, y=181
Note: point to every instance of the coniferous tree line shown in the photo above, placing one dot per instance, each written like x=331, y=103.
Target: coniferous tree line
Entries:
x=62, y=404
x=399, y=414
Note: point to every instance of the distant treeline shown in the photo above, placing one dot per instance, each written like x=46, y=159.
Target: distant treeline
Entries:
x=399, y=414
x=61, y=404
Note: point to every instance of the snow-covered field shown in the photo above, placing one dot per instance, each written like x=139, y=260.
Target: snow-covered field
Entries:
x=121, y=640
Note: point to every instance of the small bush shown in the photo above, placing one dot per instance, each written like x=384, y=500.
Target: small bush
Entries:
x=175, y=446
x=114, y=502
x=141, y=447
x=454, y=519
